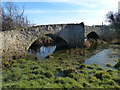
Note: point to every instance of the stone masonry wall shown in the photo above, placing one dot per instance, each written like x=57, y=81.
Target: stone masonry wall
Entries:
x=17, y=42
x=104, y=33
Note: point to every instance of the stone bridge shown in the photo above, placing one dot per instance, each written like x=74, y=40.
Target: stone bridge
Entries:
x=103, y=32
x=18, y=41
x=89, y=29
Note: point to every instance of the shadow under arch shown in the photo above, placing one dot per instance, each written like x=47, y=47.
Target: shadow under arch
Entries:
x=42, y=41
x=92, y=35
x=59, y=42
x=48, y=40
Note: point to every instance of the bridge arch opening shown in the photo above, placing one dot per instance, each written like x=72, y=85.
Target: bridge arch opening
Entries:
x=43, y=41
x=48, y=40
x=59, y=42
x=92, y=35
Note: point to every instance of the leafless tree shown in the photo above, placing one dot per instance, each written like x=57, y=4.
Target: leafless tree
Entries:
x=13, y=17
x=114, y=19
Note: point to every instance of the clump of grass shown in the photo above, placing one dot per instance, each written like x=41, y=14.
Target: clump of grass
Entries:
x=87, y=85
x=67, y=71
x=99, y=68
x=68, y=82
x=82, y=66
x=17, y=73
x=49, y=74
x=59, y=69
x=106, y=76
x=108, y=65
x=93, y=45
x=118, y=64
x=90, y=67
x=117, y=80
x=102, y=75
x=111, y=72
x=78, y=77
x=93, y=79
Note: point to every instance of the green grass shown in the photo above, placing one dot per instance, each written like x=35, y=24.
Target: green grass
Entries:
x=30, y=74
x=118, y=64
x=63, y=70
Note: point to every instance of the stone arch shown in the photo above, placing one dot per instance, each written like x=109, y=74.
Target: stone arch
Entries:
x=59, y=41
x=92, y=35
x=18, y=41
x=48, y=40
x=41, y=41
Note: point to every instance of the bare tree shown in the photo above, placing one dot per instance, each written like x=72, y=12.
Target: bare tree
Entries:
x=13, y=17
x=114, y=19
x=0, y=18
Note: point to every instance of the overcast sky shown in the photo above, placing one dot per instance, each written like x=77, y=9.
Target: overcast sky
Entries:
x=91, y=12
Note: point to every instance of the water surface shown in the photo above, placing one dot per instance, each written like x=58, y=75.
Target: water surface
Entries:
x=43, y=51
x=102, y=58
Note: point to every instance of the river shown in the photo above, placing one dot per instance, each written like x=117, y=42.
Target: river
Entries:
x=103, y=58
x=43, y=51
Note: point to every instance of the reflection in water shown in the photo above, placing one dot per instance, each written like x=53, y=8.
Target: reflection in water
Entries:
x=43, y=51
x=102, y=58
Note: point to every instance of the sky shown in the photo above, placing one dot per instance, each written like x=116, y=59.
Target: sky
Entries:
x=91, y=12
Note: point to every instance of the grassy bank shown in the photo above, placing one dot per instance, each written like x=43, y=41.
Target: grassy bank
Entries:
x=31, y=74
x=63, y=69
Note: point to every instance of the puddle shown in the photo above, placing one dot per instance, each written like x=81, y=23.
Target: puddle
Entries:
x=102, y=58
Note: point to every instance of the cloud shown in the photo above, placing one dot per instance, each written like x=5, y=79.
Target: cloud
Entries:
x=86, y=3
x=96, y=12
x=72, y=2
x=66, y=11
x=34, y=11
x=78, y=11
x=95, y=16
x=67, y=1
x=35, y=0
